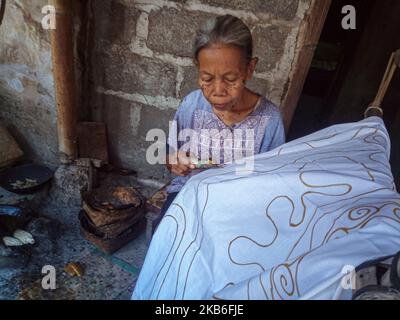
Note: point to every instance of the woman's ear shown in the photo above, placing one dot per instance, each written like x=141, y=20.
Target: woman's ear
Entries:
x=251, y=67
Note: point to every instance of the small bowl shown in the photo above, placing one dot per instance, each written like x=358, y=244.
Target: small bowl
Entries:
x=36, y=172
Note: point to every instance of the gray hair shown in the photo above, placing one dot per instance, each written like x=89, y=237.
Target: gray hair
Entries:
x=227, y=30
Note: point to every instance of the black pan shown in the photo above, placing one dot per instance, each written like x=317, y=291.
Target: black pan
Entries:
x=36, y=172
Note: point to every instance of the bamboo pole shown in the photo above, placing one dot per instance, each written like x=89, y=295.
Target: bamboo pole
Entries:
x=64, y=80
x=394, y=63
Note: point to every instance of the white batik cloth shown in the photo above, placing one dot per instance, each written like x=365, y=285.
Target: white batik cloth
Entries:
x=288, y=230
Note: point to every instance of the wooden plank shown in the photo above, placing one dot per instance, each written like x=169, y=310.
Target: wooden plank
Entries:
x=309, y=34
x=62, y=55
x=92, y=141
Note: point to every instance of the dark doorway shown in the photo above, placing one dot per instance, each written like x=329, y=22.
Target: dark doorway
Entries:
x=331, y=62
x=347, y=69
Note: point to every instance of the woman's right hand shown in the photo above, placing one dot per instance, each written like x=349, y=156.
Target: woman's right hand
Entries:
x=179, y=163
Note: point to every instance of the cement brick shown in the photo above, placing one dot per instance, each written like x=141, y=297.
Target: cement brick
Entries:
x=127, y=145
x=122, y=70
x=172, y=31
x=152, y=118
x=120, y=117
x=269, y=45
x=283, y=9
x=115, y=22
x=189, y=83
x=259, y=86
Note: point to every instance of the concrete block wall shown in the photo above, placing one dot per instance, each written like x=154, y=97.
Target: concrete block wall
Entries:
x=134, y=65
x=141, y=62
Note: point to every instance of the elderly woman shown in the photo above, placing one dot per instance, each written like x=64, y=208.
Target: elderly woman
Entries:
x=224, y=108
x=311, y=212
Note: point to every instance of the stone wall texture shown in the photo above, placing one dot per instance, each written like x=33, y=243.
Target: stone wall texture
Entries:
x=138, y=67
x=26, y=82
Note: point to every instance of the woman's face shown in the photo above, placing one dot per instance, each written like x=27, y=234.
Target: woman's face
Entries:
x=223, y=73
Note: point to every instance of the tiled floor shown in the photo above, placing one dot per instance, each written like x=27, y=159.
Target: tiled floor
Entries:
x=106, y=277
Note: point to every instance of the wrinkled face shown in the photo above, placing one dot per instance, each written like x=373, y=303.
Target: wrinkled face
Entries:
x=223, y=73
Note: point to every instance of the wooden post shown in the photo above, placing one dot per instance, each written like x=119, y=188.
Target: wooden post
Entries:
x=309, y=33
x=393, y=63
x=64, y=80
